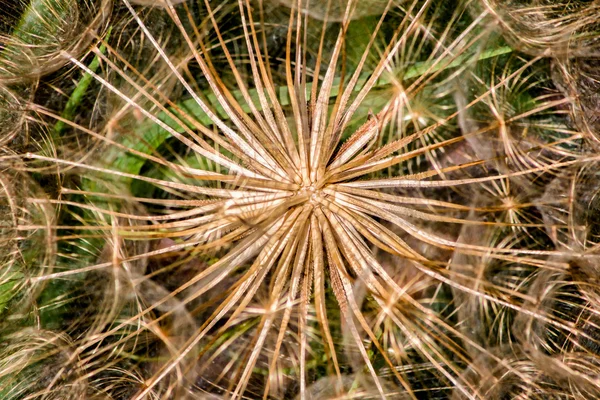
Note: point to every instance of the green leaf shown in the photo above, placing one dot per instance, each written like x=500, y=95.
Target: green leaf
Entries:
x=80, y=90
x=152, y=135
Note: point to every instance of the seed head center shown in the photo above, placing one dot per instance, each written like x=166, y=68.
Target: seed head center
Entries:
x=315, y=194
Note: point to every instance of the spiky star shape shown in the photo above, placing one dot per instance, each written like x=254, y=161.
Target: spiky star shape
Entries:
x=304, y=205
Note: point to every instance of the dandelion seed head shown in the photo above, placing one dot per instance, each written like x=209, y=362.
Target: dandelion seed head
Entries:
x=335, y=206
